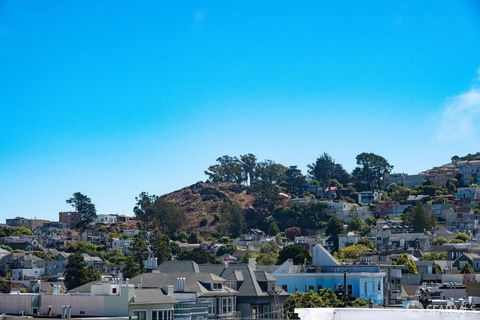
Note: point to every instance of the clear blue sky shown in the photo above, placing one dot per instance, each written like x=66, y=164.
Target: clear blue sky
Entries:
x=111, y=98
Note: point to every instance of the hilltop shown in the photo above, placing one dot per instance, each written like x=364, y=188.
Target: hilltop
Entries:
x=203, y=202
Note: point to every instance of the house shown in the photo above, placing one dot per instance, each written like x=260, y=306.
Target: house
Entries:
x=366, y=198
x=365, y=281
x=95, y=262
x=440, y=211
x=189, y=284
x=123, y=245
x=403, y=179
x=462, y=219
x=440, y=175
x=21, y=260
x=31, y=224
x=471, y=258
x=105, y=298
x=348, y=239
x=469, y=171
x=152, y=304
x=69, y=218
x=105, y=219
x=468, y=194
x=57, y=265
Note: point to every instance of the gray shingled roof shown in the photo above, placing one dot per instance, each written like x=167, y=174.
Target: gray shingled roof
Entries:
x=150, y=296
x=186, y=266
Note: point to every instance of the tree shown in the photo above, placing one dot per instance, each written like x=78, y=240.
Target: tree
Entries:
x=323, y=299
x=464, y=237
x=228, y=169
x=249, y=163
x=132, y=268
x=84, y=206
x=168, y=218
x=333, y=229
x=139, y=250
x=440, y=241
x=325, y=169
x=370, y=170
x=143, y=208
x=420, y=219
x=295, y=252
x=198, y=255
x=77, y=272
x=115, y=256
x=161, y=247
x=293, y=232
x=467, y=269
x=294, y=180
x=235, y=219
x=404, y=260
x=4, y=285
x=351, y=252
x=226, y=249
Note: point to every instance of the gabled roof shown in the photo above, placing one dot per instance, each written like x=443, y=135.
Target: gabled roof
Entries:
x=187, y=266
x=321, y=257
x=151, y=296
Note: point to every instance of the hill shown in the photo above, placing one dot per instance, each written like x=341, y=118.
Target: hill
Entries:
x=203, y=203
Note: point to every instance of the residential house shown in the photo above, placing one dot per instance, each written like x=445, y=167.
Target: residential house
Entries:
x=403, y=179
x=69, y=218
x=191, y=285
x=31, y=224
x=105, y=219
x=365, y=281
x=469, y=171
x=440, y=175
x=468, y=194
x=471, y=258
x=57, y=266
x=348, y=239
x=123, y=245
x=95, y=262
x=366, y=198
x=462, y=219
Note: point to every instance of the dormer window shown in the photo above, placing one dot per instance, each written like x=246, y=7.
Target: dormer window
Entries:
x=217, y=286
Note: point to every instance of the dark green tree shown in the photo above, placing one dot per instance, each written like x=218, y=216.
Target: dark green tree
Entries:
x=226, y=249
x=370, y=170
x=4, y=285
x=323, y=299
x=77, y=272
x=160, y=245
x=467, y=269
x=132, y=268
x=143, y=209
x=403, y=259
x=325, y=169
x=139, y=250
x=420, y=219
x=297, y=253
x=333, y=229
x=235, y=217
x=168, y=218
x=294, y=180
x=198, y=255
x=84, y=206
x=228, y=169
x=249, y=163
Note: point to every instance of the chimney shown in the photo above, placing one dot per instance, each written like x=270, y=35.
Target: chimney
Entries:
x=181, y=284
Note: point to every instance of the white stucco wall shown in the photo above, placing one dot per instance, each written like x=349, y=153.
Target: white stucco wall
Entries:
x=382, y=314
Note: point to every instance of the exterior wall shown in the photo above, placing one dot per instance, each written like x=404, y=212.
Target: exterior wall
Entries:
x=16, y=303
x=245, y=305
x=382, y=314
x=149, y=308
x=364, y=285
x=34, y=273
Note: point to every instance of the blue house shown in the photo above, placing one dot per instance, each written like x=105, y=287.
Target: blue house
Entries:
x=365, y=281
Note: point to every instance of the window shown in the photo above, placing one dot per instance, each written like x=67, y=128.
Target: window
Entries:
x=114, y=290
x=285, y=287
x=227, y=305
x=349, y=289
x=311, y=288
x=162, y=314
x=379, y=286
x=217, y=286
x=140, y=315
x=365, y=289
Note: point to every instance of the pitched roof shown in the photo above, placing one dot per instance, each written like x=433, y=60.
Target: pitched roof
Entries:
x=151, y=296
x=187, y=266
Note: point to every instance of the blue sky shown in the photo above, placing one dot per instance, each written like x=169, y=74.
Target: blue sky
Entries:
x=111, y=98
